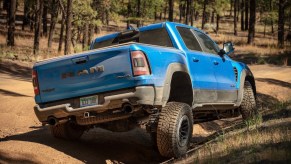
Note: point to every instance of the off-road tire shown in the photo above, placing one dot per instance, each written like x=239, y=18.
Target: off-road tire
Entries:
x=248, y=107
x=173, y=117
x=68, y=130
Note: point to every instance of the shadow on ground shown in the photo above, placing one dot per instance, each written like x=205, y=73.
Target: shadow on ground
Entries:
x=96, y=146
x=16, y=71
x=10, y=93
x=275, y=81
x=276, y=59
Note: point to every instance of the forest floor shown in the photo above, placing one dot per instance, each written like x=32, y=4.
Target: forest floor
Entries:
x=23, y=139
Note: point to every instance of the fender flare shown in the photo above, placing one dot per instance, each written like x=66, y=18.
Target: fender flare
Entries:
x=165, y=90
x=244, y=74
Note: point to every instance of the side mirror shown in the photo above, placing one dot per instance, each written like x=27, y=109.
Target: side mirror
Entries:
x=221, y=52
x=228, y=47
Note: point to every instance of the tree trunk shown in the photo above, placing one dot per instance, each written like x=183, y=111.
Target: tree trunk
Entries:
x=188, y=14
x=281, y=23
x=85, y=35
x=6, y=5
x=107, y=17
x=265, y=24
x=272, y=22
x=25, y=20
x=192, y=15
x=212, y=16
x=128, y=14
x=44, y=17
x=165, y=9
x=252, y=22
x=242, y=20
x=11, y=22
x=180, y=11
x=138, y=13
x=231, y=7
x=91, y=34
x=37, y=25
x=171, y=10
x=217, y=23
x=204, y=13
x=161, y=14
x=62, y=32
x=54, y=19
x=68, y=27
x=235, y=7
x=247, y=14
x=156, y=13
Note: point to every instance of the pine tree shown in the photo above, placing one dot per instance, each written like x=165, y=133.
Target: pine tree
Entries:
x=252, y=22
x=68, y=27
x=11, y=22
x=37, y=26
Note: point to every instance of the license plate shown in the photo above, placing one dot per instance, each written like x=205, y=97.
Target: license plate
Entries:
x=88, y=101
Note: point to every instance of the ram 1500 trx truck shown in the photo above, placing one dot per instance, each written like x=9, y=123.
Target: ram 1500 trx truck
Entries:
x=159, y=77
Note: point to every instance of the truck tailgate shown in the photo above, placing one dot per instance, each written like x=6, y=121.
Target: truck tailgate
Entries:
x=84, y=74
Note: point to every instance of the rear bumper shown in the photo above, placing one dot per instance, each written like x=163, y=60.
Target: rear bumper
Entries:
x=142, y=95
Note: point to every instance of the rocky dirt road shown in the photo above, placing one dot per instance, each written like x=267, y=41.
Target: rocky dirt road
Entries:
x=23, y=139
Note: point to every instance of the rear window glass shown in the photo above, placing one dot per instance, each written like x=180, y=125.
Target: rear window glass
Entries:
x=157, y=37
x=189, y=39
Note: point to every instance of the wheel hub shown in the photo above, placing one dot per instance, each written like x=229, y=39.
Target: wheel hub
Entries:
x=183, y=131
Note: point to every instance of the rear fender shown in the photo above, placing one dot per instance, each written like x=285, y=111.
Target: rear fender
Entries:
x=163, y=93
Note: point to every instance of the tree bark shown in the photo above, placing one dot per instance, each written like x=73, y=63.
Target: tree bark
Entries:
x=281, y=23
x=272, y=22
x=180, y=11
x=37, y=25
x=91, y=33
x=242, y=20
x=62, y=32
x=171, y=10
x=25, y=20
x=11, y=22
x=235, y=7
x=217, y=23
x=85, y=35
x=252, y=22
x=54, y=19
x=204, y=13
x=212, y=16
x=188, y=14
x=138, y=13
x=165, y=9
x=44, y=17
x=231, y=7
x=68, y=27
x=192, y=15
x=247, y=14
x=128, y=14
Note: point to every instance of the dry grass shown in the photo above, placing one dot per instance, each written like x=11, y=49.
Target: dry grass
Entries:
x=266, y=140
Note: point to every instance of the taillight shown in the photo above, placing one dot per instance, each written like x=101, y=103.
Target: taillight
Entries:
x=139, y=63
x=35, y=82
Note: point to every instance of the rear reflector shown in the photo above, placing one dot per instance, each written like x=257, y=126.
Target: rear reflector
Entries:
x=35, y=82
x=139, y=63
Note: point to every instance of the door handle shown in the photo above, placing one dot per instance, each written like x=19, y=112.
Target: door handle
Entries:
x=215, y=62
x=195, y=60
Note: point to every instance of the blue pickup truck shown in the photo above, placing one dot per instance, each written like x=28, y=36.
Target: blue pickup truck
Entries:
x=160, y=77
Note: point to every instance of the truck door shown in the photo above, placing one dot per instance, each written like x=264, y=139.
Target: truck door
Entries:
x=200, y=68
x=223, y=69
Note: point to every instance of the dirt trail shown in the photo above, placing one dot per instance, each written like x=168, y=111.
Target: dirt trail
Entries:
x=23, y=139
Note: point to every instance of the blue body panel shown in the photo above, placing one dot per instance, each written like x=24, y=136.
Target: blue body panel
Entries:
x=117, y=62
